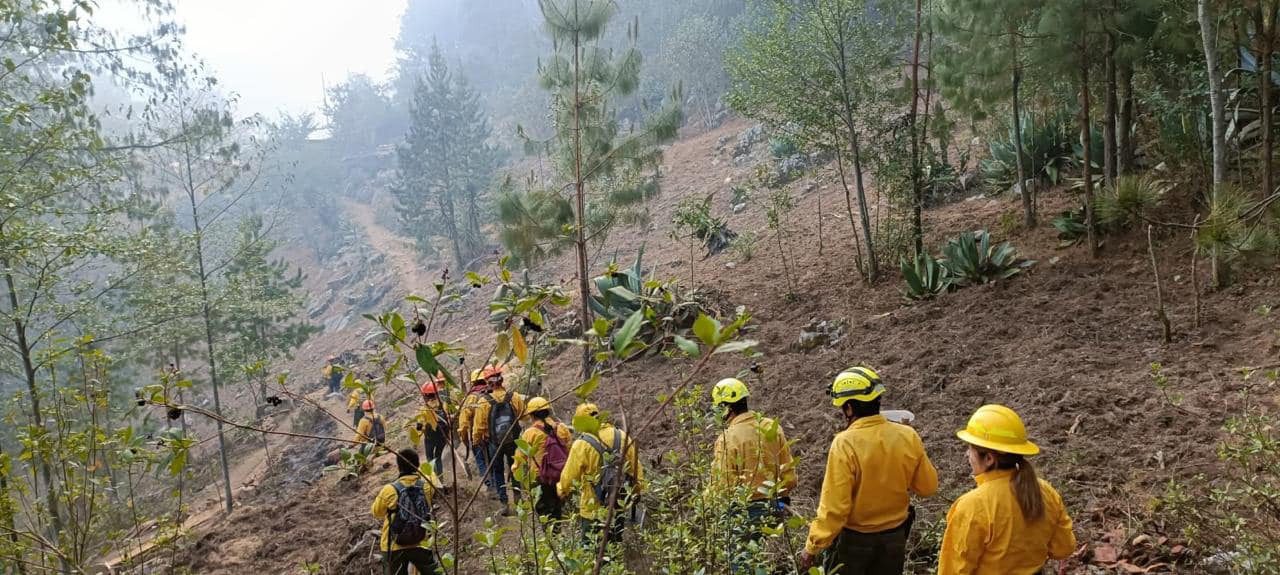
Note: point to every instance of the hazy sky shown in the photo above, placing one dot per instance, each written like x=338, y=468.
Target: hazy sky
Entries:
x=274, y=52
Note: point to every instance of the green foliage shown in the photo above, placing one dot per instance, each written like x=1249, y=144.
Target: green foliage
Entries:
x=925, y=277
x=1071, y=226
x=621, y=293
x=1128, y=201
x=1047, y=147
x=1224, y=513
x=970, y=259
x=744, y=246
x=782, y=147
x=692, y=218
x=1238, y=229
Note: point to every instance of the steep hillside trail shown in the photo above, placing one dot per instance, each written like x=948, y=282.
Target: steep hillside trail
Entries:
x=398, y=249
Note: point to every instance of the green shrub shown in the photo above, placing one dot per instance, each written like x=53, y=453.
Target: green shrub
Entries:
x=971, y=259
x=1071, y=227
x=926, y=277
x=1046, y=151
x=1127, y=202
x=693, y=218
x=620, y=292
x=1235, y=518
x=782, y=147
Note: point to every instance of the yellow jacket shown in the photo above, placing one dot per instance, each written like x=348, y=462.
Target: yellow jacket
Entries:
x=536, y=437
x=384, y=504
x=751, y=452
x=429, y=416
x=872, y=468
x=467, y=416
x=480, y=419
x=364, y=431
x=986, y=534
x=327, y=371
x=583, y=469
x=354, y=399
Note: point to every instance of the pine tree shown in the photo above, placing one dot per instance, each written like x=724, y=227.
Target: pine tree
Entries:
x=444, y=163
x=606, y=168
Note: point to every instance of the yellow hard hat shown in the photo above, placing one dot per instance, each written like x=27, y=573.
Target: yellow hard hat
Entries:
x=537, y=404
x=855, y=383
x=729, y=390
x=998, y=428
x=477, y=375
x=586, y=419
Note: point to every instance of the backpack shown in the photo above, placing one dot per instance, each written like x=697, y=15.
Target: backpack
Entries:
x=612, y=469
x=504, y=428
x=379, y=431
x=554, y=456
x=411, y=511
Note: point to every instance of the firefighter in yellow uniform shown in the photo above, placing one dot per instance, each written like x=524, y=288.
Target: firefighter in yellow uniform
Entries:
x=466, y=419
x=585, y=472
x=544, y=431
x=751, y=464
x=874, y=466
x=492, y=407
x=355, y=404
x=1013, y=521
x=400, y=550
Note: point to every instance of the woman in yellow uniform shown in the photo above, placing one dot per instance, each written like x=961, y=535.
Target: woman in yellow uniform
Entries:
x=1013, y=521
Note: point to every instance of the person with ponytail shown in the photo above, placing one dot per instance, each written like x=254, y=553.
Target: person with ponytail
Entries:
x=1013, y=521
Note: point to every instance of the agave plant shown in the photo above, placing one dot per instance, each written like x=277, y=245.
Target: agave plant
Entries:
x=1071, y=227
x=971, y=259
x=1128, y=200
x=1046, y=150
x=926, y=277
x=620, y=292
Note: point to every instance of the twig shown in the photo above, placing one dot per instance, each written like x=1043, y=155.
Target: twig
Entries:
x=1195, y=274
x=1155, y=269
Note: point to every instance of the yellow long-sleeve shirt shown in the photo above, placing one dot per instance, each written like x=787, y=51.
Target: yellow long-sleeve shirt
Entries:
x=582, y=470
x=872, y=469
x=751, y=453
x=987, y=535
x=480, y=420
x=429, y=416
x=364, y=431
x=354, y=399
x=536, y=437
x=467, y=417
x=385, y=503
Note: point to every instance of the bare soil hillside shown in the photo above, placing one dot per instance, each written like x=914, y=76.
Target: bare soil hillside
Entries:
x=1069, y=345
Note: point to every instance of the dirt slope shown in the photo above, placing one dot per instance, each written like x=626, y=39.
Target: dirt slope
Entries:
x=1069, y=345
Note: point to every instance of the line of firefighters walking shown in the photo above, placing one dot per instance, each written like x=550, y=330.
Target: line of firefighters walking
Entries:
x=1012, y=522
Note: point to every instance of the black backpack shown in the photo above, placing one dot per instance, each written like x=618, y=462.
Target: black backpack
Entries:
x=410, y=514
x=612, y=469
x=504, y=423
x=379, y=431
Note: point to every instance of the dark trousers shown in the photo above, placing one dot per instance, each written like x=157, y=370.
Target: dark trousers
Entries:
x=549, y=504
x=423, y=560
x=433, y=449
x=359, y=414
x=502, y=457
x=335, y=382
x=856, y=553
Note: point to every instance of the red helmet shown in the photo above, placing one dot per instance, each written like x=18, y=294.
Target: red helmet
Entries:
x=429, y=388
x=491, y=371
x=367, y=405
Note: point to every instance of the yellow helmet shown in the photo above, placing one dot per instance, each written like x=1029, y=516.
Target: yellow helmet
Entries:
x=537, y=404
x=855, y=383
x=586, y=419
x=729, y=390
x=477, y=375
x=998, y=428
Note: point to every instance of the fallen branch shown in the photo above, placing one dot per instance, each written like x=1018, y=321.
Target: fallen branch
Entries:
x=1155, y=268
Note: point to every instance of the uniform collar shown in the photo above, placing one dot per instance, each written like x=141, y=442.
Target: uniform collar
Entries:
x=869, y=421
x=743, y=417
x=993, y=475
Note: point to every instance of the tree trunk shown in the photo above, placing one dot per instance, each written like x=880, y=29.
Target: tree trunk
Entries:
x=1218, y=121
x=1086, y=134
x=1124, y=128
x=917, y=231
x=580, y=240
x=1109, y=111
x=9, y=511
x=26, y=351
x=873, y=268
x=207, y=313
x=1267, y=31
x=1024, y=189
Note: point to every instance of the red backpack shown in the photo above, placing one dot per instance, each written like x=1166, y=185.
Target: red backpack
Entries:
x=554, y=455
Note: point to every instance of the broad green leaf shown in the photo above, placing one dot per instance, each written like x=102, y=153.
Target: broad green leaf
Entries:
x=397, y=326
x=502, y=346
x=426, y=360
x=535, y=317
x=414, y=298
x=601, y=327
x=736, y=346
x=589, y=386
x=688, y=347
x=622, y=338
x=707, y=329
x=623, y=293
